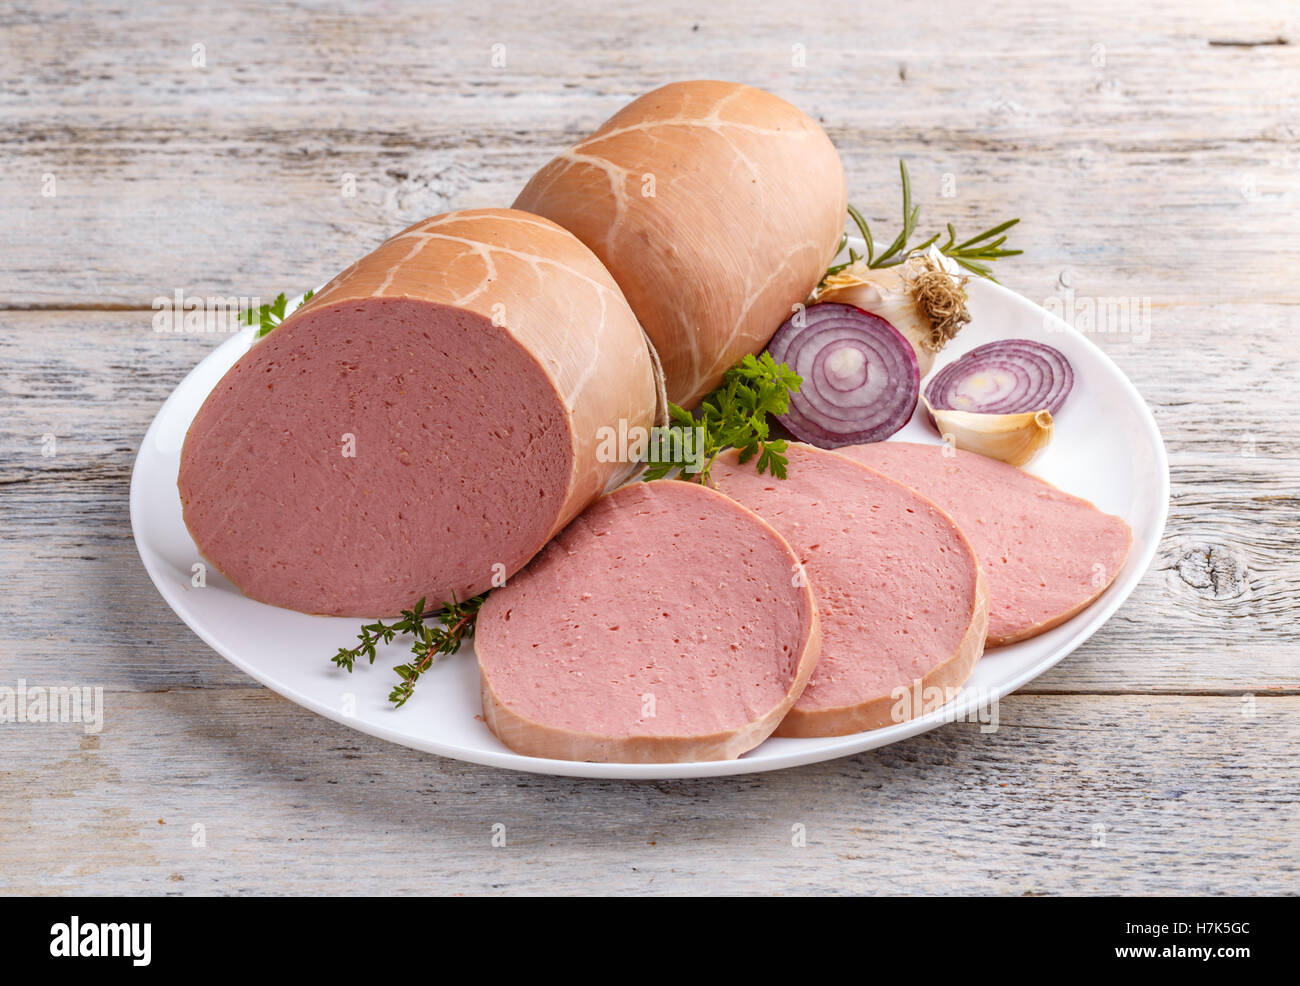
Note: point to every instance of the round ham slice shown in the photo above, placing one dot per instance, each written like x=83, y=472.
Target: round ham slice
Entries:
x=902, y=601
x=716, y=206
x=666, y=623
x=424, y=425
x=1047, y=555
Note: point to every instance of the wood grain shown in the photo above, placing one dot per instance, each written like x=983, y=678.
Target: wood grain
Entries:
x=1139, y=795
x=228, y=178
x=1153, y=152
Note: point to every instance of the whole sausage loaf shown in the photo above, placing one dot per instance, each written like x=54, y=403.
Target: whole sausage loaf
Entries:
x=716, y=206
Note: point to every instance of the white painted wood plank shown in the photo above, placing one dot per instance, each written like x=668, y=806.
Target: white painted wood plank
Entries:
x=1191, y=796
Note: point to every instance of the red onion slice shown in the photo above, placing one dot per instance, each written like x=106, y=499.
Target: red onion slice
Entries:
x=991, y=387
x=1062, y=371
x=980, y=380
x=861, y=381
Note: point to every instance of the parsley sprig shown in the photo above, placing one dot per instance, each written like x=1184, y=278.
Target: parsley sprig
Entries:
x=734, y=416
x=975, y=254
x=455, y=622
x=269, y=316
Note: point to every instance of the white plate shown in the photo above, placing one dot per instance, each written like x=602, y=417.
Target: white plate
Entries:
x=1107, y=449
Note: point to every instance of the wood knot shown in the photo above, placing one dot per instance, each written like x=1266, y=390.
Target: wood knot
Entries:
x=1210, y=566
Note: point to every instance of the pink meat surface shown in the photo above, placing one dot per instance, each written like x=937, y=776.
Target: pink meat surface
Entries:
x=897, y=585
x=1046, y=554
x=664, y=623
x=461, y=456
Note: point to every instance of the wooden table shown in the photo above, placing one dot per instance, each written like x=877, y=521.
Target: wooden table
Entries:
x=1153, y=151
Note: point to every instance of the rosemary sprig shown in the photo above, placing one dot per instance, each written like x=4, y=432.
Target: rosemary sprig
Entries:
x=983, y=247
x=911, y=214
x=974, y=254
x=734, y=416
x=269, y=316
x=455, y=622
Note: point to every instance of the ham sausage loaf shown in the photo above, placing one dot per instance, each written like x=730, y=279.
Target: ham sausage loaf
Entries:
x=424, y=425
x=900, y=594
x=666, y=623
x=1046, y=554
x=716, y=206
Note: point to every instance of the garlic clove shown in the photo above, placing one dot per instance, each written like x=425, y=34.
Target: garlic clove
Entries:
x=1010, y=438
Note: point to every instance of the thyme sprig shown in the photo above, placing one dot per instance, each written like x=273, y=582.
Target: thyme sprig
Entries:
x=454, y=622
x=974, y=254
x=733, y=416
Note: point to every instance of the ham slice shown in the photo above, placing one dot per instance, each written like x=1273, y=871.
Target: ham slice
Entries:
x=667, y=623
x=424, y=425
x=716, y=206
x=899, y=592
x=1046, y=554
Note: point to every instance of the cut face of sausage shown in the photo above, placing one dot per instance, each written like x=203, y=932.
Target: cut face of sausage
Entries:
x=898, y=589
x=425, y=424
x=1047, y=555
x=352, y=469
x=665, y=624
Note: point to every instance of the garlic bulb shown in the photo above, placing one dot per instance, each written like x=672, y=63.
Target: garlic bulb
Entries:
x=1010, y=438
x=924, y=298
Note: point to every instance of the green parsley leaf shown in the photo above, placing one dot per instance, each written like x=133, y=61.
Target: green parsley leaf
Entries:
x=267, y=317
x=736, y=415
